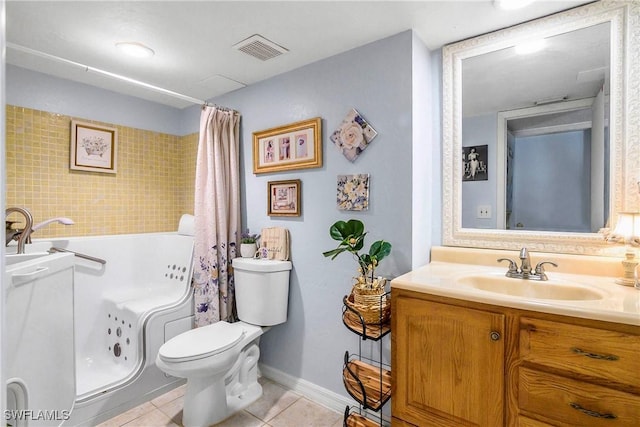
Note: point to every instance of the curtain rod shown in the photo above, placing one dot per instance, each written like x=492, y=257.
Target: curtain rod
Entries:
x=120, y=77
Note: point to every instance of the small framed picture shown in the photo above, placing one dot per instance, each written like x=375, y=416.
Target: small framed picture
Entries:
x=94, y=148
x=284, y=198
x=474, y=163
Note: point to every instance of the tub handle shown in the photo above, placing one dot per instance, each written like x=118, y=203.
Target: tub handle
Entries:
x=21, y=278
x=79, y=255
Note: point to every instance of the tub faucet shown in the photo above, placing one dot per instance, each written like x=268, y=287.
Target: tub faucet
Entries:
x=60, y=220
x=21, y=236
x=524, y=272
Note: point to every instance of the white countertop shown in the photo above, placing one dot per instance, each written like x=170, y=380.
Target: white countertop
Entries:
x=620, y=304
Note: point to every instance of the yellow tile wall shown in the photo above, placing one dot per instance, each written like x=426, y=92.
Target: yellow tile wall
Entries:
x=152, y=188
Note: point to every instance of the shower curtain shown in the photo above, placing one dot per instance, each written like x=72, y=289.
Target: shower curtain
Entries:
x=217, y=215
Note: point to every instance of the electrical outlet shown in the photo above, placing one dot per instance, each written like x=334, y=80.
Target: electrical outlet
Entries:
x=484, y=211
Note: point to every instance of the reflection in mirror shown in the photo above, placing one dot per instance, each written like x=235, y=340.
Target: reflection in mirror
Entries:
x=549, y=149
x=563, y=113
x=557, y=165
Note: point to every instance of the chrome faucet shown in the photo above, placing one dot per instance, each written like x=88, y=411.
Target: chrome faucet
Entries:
x=525, y=262
x=524, y=272
x=22, y=236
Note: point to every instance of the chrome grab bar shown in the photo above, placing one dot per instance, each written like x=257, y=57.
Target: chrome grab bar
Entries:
x=79, y=255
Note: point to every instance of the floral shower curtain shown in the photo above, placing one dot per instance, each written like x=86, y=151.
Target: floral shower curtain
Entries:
x=217, y=215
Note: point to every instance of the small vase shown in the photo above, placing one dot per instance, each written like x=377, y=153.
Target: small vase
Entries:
x=248, y=250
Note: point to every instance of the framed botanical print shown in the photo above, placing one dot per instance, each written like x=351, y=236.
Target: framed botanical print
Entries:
x=94, y=148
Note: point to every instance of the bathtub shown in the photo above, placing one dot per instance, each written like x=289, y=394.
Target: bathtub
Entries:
x=124, y=310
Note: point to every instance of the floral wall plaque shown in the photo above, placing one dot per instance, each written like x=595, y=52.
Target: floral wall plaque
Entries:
x=353, y=136
x=353, y=192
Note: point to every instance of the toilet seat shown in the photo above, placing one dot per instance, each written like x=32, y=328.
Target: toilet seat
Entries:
x=202, y=342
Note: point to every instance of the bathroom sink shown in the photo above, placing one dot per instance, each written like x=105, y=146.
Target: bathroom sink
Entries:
x=11, y=259
x=549, y=290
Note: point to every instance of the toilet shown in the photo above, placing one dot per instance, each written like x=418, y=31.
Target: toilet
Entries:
x=220, y=361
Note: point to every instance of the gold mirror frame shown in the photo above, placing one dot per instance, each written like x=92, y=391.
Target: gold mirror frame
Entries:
x=624, y=17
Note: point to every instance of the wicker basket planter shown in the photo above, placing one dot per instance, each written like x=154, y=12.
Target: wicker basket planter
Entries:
x=371, y=303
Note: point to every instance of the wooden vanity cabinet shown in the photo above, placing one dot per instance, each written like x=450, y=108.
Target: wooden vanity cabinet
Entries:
x=459, y=363
x=578, y=375
x=448, y=363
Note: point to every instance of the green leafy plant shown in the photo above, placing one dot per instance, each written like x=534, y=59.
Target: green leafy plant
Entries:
x=351, y=236
x=248, y=237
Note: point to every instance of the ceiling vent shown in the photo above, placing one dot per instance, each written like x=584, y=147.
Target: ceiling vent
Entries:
x=259, y=47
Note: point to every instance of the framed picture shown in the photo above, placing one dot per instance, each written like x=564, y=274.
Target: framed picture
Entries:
x=294, y=146
x=284, y=198
x=474, y=163
x=94, y=148
x=353, y=192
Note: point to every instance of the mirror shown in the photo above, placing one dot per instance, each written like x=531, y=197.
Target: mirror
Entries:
x=534, y=145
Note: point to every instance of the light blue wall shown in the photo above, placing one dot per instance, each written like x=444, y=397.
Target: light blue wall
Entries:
x=30, y=89
x=480, y=130
x=375, y=80
x=550, y=169
x=427, y=194
x=395, y=84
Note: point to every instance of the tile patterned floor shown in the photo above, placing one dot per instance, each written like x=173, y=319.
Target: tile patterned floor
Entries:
x=278, y=407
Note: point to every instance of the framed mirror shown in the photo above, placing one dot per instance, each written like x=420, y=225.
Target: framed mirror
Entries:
x=537, y=148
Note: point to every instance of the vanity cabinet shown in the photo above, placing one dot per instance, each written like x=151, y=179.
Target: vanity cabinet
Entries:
x=448, y=363
x=460, y=363
x=577, y=375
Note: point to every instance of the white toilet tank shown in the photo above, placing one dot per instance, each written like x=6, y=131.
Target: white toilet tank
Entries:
x=262, y=290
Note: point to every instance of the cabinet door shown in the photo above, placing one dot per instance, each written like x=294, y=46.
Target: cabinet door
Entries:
x=447, y=364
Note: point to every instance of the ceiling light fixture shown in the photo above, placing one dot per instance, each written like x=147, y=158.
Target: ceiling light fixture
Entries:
x=511, y=4
x=115, y=76
x=530, y=46
x=135, y=49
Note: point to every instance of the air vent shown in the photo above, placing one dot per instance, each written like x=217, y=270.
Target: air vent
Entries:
x=259, y=47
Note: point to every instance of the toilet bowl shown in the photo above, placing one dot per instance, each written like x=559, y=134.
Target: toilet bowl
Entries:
x=220, y=361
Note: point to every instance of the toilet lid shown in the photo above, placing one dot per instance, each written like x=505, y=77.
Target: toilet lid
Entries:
x=202, y=342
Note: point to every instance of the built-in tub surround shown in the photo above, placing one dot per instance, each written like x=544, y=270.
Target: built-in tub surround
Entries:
x=153, y=186
x=450, y=269
x=124, y=310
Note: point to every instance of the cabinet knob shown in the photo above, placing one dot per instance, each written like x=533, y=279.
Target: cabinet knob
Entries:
x=495, y=336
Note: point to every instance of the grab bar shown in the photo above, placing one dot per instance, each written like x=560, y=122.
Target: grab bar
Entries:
x=79, y=255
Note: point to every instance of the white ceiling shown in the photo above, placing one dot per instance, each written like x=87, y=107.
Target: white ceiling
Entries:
x=572, y=65
x=193, y=40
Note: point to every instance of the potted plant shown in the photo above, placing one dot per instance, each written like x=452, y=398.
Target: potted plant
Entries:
x=367, y=293
x=248, y=244
x=351, y=236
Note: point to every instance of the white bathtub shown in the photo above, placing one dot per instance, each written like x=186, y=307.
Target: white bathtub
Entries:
x=124, y=310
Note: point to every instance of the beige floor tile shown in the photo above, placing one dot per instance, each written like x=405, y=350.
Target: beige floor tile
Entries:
x=154, y=418
x=306, y=413
x=173, y=409
x=241, y=419
x=274, y=400
x=131, y=414
x=169, y=396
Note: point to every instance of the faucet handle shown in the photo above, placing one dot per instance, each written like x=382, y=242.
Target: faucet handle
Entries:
x=540, y=265
x=513, y=267
x=540, y=268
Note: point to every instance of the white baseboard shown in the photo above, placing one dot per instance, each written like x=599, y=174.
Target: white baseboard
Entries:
x=313, y=391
